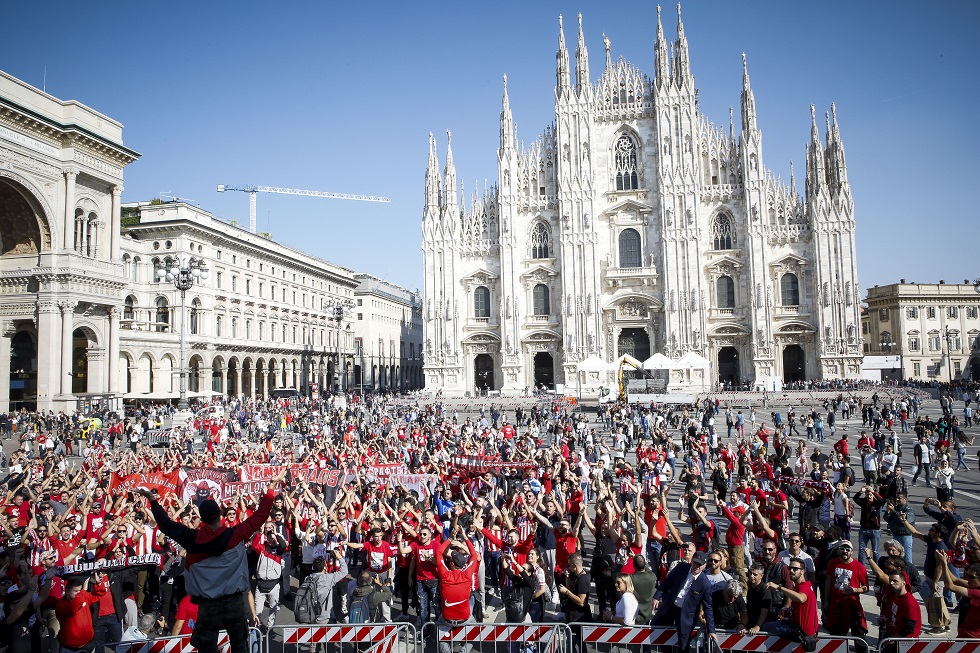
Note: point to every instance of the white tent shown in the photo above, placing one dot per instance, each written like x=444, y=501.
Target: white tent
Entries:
x=693, y=361
x=658, y=362
x=592, y=364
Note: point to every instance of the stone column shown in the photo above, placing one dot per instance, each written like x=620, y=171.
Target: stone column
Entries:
x=114, y=313
x=70, y=175
x=116, y=218
x=67, y=342
x=262, y=389
x=7, y=333
x=48, y=365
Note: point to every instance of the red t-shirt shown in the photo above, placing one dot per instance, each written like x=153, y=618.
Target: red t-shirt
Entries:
x=379, y=557
x=805, y=614
x=425, y=560
x=970, y=627
x=565, y=545
x=897, y=610
x=186, y=612
x=851, y=573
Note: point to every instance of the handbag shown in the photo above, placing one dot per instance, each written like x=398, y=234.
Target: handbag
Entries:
x=937, y=611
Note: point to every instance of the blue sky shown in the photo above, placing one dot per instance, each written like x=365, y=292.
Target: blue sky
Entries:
x=342, y=96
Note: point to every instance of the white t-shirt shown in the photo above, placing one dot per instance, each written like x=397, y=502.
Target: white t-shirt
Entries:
x=626, y=609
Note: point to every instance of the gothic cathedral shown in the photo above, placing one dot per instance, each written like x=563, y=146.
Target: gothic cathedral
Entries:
x=635, y=225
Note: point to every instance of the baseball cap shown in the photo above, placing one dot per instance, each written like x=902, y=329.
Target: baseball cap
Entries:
x=699, y=558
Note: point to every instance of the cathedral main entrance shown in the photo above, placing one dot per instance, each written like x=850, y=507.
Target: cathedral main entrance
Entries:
x=544, y=370
x=636, y=343
x=794, y=364
x=728, y=372
x=483, y=373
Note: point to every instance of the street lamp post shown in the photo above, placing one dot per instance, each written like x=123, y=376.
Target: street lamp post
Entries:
x=336, y=312
x=184, y=274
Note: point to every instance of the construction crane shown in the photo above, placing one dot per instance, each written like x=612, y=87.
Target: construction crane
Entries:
x=255, y=190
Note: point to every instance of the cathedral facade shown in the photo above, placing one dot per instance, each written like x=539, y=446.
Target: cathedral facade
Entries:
x=635, y=225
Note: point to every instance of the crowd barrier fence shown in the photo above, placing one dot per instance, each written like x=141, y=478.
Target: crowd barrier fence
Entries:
x=929, y=645
x=342, y=638
x=496, y=638
x=182, y=644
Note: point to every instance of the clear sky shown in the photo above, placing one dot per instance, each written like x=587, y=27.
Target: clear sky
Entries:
x=341, y=97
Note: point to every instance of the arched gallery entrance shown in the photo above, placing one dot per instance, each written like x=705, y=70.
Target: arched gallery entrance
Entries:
x=544, y=370
x=483, y=373
x=728, y=370
x=794, y=364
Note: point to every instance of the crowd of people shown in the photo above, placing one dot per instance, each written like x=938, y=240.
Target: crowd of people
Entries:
x=401, y=508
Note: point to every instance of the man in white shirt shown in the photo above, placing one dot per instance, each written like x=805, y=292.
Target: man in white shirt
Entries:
x=796, y=552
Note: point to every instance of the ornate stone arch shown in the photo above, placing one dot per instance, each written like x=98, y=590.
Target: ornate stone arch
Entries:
x=625, y=156
x=40, y=232
x=539, y=240
x=723, y=233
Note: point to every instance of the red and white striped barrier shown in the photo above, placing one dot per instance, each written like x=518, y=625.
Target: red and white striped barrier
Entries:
x=332, y=634
x=499, y=633
x=772, y=644
x=630, y=635
x=181, y=644
x=937, y=646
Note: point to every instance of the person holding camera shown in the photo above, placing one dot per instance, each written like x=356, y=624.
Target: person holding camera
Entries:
x=271, y=548
x=799, y=622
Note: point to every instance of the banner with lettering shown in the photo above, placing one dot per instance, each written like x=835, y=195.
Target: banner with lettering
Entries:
x=164, y=483
x=245, y=488
x=199, y=483
x=422, y=484
x=110, y=565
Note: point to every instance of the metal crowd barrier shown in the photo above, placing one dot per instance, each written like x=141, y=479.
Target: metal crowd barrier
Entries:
x=729, y=641
x=496, y=638
x=606, y=638
x=182, y=644
x=342, y=638
x=903, y=645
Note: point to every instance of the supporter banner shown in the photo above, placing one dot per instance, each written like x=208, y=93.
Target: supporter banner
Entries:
x=384, y=471
x=165, y=484
x=251, y=472
x=109, y=565
x=199, y=483
x=806, y=482
x=477, y=464
x=421, y=483
x=246, y=488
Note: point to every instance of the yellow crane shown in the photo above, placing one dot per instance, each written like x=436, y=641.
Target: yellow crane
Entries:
x=254, y=190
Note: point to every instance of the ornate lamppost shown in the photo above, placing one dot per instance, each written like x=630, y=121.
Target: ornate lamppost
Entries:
x=184, y=275
x=337, y=311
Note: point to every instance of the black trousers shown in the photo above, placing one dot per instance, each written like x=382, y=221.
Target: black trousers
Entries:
x=229, y=613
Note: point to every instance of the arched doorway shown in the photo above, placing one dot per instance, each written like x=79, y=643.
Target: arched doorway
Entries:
x=79, y=362
x=23, y=372
x=636, y=343
x=483, y=373
x=794, y=364
x=217, y=377
x=728, y=369
x=544, y=370
x=24, y=229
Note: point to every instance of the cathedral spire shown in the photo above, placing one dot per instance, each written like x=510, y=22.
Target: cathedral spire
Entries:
x=682, y=60
x=605, y=42
x=792, y=178
x=507, y=136
x=433, y=182
x=564, y=84
x=815, y=171
x=662, y=66
x=731, y=122
x=451, y=202
x=581, y=61
x=748, y=100
x=835, y=152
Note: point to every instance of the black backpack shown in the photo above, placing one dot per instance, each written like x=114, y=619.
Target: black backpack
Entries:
x=307, y=608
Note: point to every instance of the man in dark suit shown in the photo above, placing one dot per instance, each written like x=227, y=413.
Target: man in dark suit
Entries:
x=679, y=598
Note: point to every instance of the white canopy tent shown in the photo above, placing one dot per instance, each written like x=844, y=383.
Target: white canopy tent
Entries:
x=693, y=361
x=658, y=362
x=591, y=374
x=625, y=360
x=592, y=364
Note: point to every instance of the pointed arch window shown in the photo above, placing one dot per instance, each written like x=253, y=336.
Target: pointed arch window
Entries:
x=626, y=176
x=726, y=292
x=481, y=302
x=723, y=232
x=540, y=241
x=630, y=255
x=790, y=287
x=541, y=300
x=129, y=308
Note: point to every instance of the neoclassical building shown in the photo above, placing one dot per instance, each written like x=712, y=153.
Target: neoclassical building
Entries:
x=85, y=319
x=633, y=224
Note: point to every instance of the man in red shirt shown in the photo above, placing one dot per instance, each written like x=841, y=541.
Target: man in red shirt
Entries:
x=380, y=561
x=841, y=445
x=803, y=605
x=901, y=615
x=455, y=571
x=423, y=553
x=847, y=579
x=75, y=614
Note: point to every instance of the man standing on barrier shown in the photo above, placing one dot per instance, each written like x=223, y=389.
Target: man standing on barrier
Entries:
x=679, y=600
x=216, y=571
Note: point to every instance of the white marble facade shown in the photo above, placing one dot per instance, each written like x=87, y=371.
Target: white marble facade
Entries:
x=634, y=224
